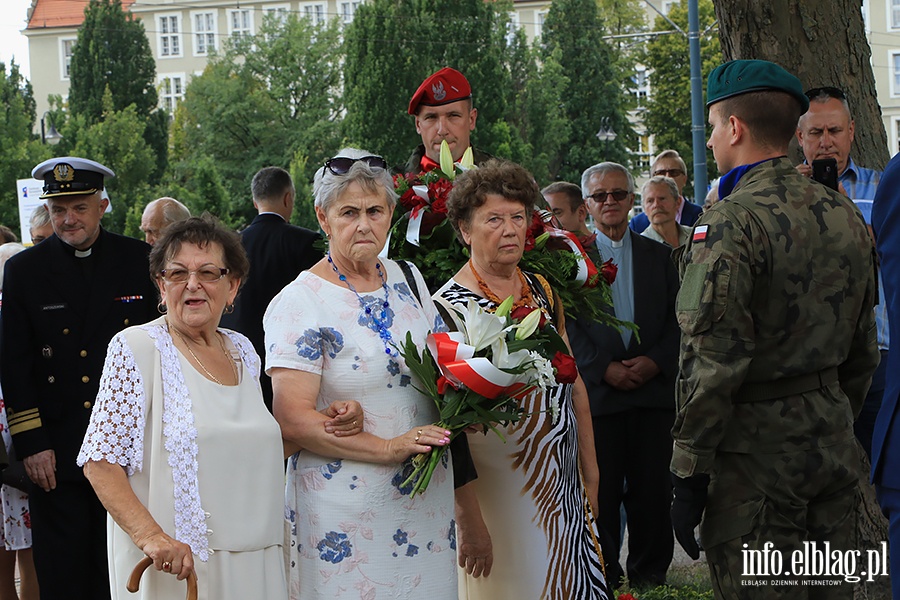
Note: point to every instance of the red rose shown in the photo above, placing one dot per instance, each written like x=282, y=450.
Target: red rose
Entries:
x=410, y=200
x=439, y=206
x=566, y=370
x=608, y=270
x=521, y=312
x=626, y=597
x=439, y=190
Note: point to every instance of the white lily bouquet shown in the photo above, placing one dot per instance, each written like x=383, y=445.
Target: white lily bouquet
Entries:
x=479, y=374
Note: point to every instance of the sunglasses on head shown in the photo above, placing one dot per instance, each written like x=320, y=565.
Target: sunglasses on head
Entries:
x=827, y=91
x=340, y=165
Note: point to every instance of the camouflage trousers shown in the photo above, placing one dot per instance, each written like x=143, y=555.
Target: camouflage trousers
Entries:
x=781, y=525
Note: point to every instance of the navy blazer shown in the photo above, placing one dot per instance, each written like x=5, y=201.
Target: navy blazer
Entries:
x=886, y=223
x=689, y=215
x=54, y=336
x=595, y=346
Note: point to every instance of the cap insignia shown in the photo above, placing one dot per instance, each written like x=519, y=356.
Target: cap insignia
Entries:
x=438, y=90
x=63, y=172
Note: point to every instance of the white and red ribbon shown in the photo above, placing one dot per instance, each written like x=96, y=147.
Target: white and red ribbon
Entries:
x=414, y=226
x=458, y=363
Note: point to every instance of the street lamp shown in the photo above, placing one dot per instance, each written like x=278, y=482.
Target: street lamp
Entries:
x=52, y=136
x=606, y=134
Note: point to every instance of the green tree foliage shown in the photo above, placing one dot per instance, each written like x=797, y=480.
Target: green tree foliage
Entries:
x=19, y=151
x=304, y=213
x=112, y=52
x=593, y=92
x=117, y=141
x=267, y=97
x=392, y=45
x=668, y=115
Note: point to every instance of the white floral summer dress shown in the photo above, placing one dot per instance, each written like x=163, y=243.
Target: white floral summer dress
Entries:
x=356, y=533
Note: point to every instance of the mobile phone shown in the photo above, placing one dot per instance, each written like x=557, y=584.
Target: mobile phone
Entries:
x=824, y=170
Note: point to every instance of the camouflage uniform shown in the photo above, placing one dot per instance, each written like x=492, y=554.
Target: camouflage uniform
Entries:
x=778, y=347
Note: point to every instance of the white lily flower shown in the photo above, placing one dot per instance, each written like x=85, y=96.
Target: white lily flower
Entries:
x=502, y=359
x=528, y=325
x=482, y=327
x=447, y=161
x=467, y=161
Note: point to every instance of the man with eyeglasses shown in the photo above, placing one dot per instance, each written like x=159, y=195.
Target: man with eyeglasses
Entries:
x=631, y=382
x=444, y=111
x=277, y=251
x=63, y=300
x=777, y=349
x=826, y=130
x=669, y=163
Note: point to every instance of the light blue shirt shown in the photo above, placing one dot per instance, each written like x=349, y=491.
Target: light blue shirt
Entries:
x=859, y=182
x=623, y=287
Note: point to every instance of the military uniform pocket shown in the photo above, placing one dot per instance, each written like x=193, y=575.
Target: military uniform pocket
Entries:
x=703, y=297
x=731, y=524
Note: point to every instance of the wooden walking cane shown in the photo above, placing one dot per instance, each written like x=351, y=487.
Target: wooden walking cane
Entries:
x=134, y=581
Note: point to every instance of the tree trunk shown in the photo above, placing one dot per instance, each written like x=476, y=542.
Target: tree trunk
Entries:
x=822, y=43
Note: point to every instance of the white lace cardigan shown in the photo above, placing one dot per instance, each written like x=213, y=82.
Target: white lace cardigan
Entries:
x=116, y=429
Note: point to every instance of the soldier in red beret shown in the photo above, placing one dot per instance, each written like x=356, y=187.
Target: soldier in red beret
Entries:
x=444, y=110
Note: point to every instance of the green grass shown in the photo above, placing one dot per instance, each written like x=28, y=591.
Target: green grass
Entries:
x=686, y=582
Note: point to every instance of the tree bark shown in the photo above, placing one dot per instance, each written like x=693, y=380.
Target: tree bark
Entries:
x=822, y=43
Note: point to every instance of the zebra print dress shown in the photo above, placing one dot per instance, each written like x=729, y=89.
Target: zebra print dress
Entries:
x=532, y=498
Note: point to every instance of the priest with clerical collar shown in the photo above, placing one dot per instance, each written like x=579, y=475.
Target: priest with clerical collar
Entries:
x=63, y=300
x=444, y=111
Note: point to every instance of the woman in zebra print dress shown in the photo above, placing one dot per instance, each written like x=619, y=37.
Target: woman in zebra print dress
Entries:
x=525, y=528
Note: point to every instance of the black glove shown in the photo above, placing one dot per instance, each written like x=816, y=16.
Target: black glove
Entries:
x=687, y=510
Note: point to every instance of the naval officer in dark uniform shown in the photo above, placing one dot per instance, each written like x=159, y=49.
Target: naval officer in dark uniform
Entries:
x=63, y=300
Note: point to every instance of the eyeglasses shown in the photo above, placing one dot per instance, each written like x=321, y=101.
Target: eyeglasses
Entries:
x=340, y=165
x=204, y=274
x=673, y=173
x=617, y=195
x=826, y=92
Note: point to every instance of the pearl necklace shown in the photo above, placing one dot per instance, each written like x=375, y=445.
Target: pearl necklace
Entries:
x=380, y=321
x=199, y=362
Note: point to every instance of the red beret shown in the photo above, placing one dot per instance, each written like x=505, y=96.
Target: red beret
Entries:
x=446, y=86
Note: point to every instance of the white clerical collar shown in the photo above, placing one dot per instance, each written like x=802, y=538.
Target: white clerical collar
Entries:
x=83, y=253
x=606, y=241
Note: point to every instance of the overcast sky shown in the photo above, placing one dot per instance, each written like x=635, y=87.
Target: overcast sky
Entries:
x=13, y=43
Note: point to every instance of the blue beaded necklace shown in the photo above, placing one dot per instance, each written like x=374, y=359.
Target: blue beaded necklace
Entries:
x=380, y=321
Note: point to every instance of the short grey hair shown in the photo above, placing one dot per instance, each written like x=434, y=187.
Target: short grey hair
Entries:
x=328, y=187
x=673, y=154
x=602, y=169
x=40, y=217
x=664, y=181
x=7, y=251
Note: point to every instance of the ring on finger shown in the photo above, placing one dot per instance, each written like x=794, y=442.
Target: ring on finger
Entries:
x=417, y=438
x=167, y=566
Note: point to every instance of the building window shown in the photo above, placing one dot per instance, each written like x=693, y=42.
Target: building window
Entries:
x=169, y=36
x=279, y=12
x=171, y=91
x=667, y=6
x=894, y=8
x=204, y=32
x=240, y=22
x=512, y=27
x=348, y=9
x=314, y=11
x=895, y=73
x=540, y=18
x=66, y=46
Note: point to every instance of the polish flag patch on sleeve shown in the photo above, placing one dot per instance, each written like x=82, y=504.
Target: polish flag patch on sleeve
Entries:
x=700, y=233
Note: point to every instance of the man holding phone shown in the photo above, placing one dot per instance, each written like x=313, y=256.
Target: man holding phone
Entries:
x=826, y=131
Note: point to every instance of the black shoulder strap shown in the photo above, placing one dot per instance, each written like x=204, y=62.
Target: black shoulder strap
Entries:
x=410, y=279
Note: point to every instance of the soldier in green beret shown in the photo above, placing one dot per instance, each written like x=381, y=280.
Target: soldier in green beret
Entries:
x=778, y=347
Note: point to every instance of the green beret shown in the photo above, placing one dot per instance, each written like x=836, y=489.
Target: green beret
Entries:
x=743, y=76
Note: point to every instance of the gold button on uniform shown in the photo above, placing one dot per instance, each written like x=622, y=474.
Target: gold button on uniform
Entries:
x=66, y=331
x=83, y=353
x=87, y=404
x=85, y=379
x=126, y=321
